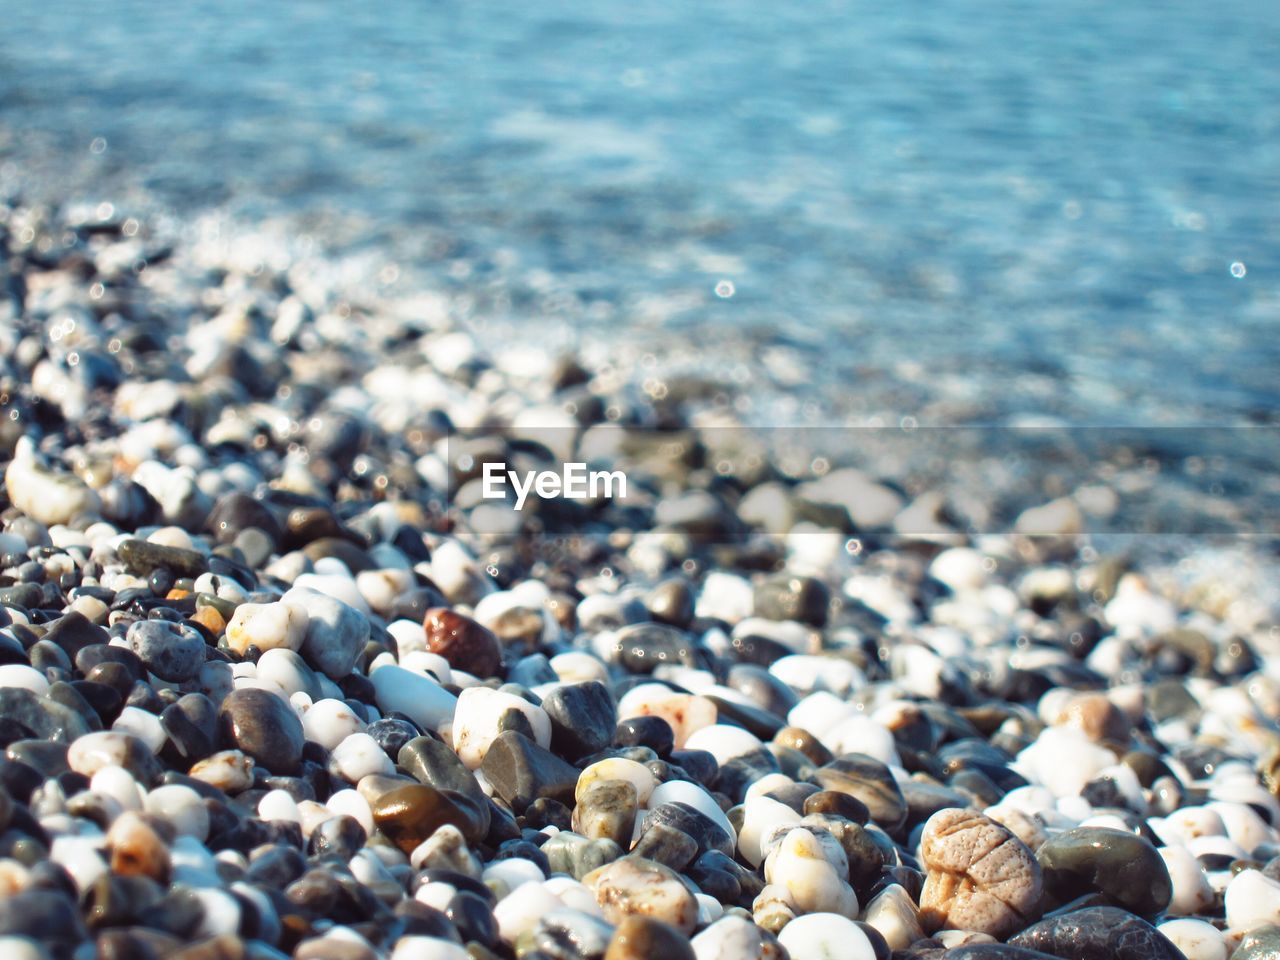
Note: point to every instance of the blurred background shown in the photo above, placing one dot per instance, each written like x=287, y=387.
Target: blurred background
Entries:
x=955, y=211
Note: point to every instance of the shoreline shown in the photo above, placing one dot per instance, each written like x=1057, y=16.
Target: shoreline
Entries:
x=263, y=640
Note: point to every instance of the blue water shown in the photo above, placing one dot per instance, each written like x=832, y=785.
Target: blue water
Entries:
x=953, y=209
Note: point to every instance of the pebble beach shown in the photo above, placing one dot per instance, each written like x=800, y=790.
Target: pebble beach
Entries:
x=276, y=682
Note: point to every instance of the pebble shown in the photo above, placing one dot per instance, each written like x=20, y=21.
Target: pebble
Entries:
x=172, y=651
x=463, y=642
x=1123, y=867
x=636, y=887
x=826, y=936
x=980, y=876
x=1252, y=899
x=1097, y=933
x=263, y=727
x=267, y=626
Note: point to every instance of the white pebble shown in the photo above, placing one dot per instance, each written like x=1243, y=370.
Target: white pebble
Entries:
x=1196, y=939
x=142, y=724
x=519, y=911
x=478, y=721
x=723, y=742
x=329, y=722
x=418, y=697
x=182, y=807
x=352, y=804
x=359, y=755
x=24, y=678
x=279, y=805
x=1252, y=900
x=826, y=936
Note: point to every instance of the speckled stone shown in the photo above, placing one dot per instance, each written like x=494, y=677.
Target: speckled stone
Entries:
x=980, y=876
x=1098, y=933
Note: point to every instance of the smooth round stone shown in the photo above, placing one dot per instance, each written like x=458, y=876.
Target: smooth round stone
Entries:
x=723, y=742
x=1252, y=900
x=762, y=688
x=869, y=781
x=181, y=806
x=685, y=713
x=287, y=670
x=980, y=876
x=267, y=626
x=519, y=911
x=893, y=913
x=466, y=644
x=264, y=727
x=671, y=602
x=172, y=651
x=410, y=814
x=642, y=938
x=1097, y=933
x=727, y=938
x=1123, y=867
x=521, y=772
x=328, y=722
x=1192, y=893
x=142, y=556
x=1196, y=939
x=826, y=936
x=359, y=755
x=619, y=768
x=706, y=832
x=652, y=732
x=809, y=871
x=632, y=886
x=20, y=676
x=691, y=795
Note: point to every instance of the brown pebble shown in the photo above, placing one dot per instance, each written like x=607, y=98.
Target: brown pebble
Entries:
x=640, y=938
x=410, y=814
x=210, y=619
x=176, y=594
x=981, y=877
x=798, y=738
x=837, y=804
x=634, y=886
x=466, y=644
x=136, y=849
x=1096, y=717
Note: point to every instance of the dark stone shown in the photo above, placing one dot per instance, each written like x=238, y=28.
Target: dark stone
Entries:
x=704, y=831
x=737, y=774
x=700, y=765
x=45, y=916
x=263, y=726
x=545, y=812
x=869, y=781
x=639, y=938
x=666, y=845
x=171, y=651
x=140, y=557
x=192, y=726
x=582, y=718
x=237, y=512
x=834, y=803
x=432, y=763
x=73, y=632
x=672, y=602
x=521, y=772
x=642, y=647
x=1122, y=866
x=473, y=918
x=762, y=688
x=786, y=597
x=66, y=694
x=46, y=719
x=1098, y=933
x=392, y=733
x=994, y=951
x=756, y=720
x=652, y=732
x=48, y=757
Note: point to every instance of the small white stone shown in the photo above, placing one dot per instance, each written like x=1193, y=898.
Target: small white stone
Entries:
x=1196, y=939
x=379, y=588
x=808, y=674
x=24, y=678
x=221, y=913
x=336, y=586
x=578, y=667
x=519, y=911
x=726, y=597
x=819, y=711
x=960, y=568
x=118, y=783
x=106, y=748
x=477, y=721
x=1064, y=760
x=21, y=948
x=812, y=874
x=513, y=872
x=287, y=670
x=229, y=770
x=761, y=816
x=329, y=722
x=427, y=948
x=416, y=696
x=143, y=725
x=826, y=936
x=279, y=805
x=81, y=857
x=723, y=742
x=728, y=938
x=1243, y=825
x=1252, y=900
x=182, y=807
x=862, y=734
x=352, y=804
x=420, y=661
x=359, y=755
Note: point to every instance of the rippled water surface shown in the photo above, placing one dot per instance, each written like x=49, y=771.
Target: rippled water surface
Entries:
x=958, y=209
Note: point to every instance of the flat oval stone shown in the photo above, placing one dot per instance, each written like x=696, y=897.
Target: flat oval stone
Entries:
x=1098, y=933
x=410, y=814
x=140, y=557
x=45, y=718
x=869, y=781
x=260, y=724
x=1122, y=866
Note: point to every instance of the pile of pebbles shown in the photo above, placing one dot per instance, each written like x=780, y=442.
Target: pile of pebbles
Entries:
x=274, y=682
